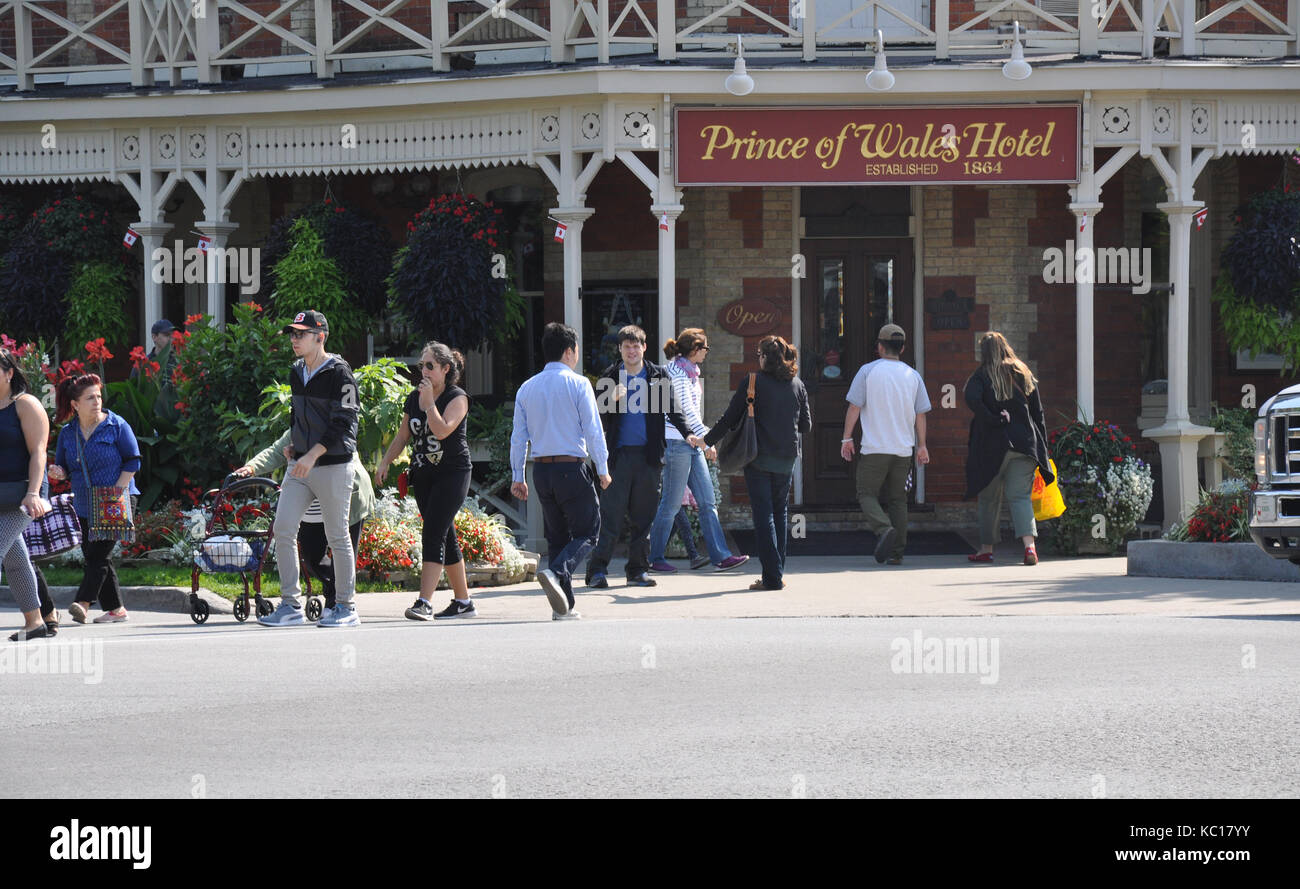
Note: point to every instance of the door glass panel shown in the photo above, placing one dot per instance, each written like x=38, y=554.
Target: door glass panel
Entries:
x=880, y=285
x=830, y=318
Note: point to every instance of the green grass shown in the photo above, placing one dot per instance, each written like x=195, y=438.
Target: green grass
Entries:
x=226, y=585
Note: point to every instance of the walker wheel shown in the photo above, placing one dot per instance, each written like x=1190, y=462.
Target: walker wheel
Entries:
x=199, y=611
x=314, y=609
x=241, y=609
x=264, y=607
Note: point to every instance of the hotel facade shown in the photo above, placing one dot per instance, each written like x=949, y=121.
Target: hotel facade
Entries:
x=1080, y=209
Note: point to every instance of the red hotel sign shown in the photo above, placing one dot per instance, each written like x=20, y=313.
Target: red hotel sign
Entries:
x=882, y=144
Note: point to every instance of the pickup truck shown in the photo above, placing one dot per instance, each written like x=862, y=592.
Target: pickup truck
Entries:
x=1275, y=505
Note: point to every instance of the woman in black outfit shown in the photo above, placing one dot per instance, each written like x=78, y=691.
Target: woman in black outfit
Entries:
x=780, y=416
x=433, y=421
x=1008, y=441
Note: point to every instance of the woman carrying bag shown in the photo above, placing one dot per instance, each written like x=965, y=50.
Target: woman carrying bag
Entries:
x=780, y=416
x=24, y=431
x=1008, y=441
x=97, y=452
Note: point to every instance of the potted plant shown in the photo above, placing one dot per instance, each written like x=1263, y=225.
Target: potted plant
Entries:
x=1258, y=291
x=1107, y=489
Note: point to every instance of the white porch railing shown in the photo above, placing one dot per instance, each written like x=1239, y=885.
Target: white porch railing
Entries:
x=150, y=41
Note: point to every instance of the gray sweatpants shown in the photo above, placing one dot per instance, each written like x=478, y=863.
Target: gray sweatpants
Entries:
x=17, y=563
x=332, y=486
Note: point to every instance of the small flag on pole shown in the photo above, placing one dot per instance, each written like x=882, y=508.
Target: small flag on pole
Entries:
x=204, y=244
x=1083, y=222
x=131, y=237
x=1201, y=216
x=663, y=222
x=560, y=230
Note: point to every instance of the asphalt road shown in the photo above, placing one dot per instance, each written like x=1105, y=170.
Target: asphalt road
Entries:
x=768, y=707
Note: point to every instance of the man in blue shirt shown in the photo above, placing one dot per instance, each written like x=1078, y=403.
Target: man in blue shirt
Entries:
x=634, y=397
x=556, y=420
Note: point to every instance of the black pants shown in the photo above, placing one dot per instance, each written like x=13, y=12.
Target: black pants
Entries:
x=100, y=580
x=440, y=496
x=43, y=590
x=312, y=546
x=768, y=496
x=633, y=494
x=570, y=516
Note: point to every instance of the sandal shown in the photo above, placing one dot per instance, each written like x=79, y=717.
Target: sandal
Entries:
x=980, y=557
x=53, y=620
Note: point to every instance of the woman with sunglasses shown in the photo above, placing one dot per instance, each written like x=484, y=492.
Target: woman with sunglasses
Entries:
x=684, y=463
x=433, y=423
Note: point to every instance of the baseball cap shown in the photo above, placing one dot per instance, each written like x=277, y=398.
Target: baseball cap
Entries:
x=308, y=320
x=892, y=332
x=163, y=326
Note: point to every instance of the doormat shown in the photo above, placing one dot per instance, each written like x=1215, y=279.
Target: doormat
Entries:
x=859, y=543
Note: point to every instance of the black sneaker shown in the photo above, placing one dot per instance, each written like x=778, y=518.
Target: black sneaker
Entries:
x=457, y=609
x=598, y=582
x=421, y=610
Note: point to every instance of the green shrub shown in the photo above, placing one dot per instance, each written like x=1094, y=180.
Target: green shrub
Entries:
x=308, y=279
x=95, y=299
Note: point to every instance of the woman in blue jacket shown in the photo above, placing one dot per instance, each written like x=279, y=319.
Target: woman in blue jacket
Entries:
x=98, y=442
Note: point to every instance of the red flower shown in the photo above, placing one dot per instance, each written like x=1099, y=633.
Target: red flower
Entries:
x=96, y=350
x=193, y=319
x=138, y=357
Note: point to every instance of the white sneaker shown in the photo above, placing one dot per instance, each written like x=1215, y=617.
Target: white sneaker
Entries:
x=568, y=615
x=554, y=592
x=283, y=616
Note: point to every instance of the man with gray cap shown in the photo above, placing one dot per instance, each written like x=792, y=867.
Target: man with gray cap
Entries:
x=161, y=334
x=889, y=397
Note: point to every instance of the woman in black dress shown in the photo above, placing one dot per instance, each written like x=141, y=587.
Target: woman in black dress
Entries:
x=433, y=421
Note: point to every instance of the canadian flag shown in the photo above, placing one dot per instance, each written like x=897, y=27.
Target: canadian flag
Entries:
x=130, y=238
x=1083, y=222
x=663, y=222
x=204, y=244
x=560, y=231
x=1201, y=215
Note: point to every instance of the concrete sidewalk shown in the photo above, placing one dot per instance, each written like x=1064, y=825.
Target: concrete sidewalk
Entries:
x=850, y=586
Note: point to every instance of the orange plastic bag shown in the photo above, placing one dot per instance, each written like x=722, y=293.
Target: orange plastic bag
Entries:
x=1047, y=500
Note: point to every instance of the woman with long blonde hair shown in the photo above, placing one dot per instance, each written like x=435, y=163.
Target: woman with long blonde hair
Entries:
x=1008, y=441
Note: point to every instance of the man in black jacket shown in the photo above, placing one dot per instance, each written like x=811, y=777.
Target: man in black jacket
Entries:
x=323, y=423
x=634, y=398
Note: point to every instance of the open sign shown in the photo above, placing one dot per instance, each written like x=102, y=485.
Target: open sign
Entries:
x=751, y=316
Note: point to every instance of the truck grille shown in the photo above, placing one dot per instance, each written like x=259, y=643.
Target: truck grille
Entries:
x=1286, y=446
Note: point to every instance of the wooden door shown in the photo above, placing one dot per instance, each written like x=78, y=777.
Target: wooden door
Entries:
x=852, y=289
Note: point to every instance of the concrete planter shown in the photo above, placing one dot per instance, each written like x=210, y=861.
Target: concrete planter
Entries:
x=1211, y=561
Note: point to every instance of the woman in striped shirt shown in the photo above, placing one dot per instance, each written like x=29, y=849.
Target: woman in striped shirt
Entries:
x=684, y=464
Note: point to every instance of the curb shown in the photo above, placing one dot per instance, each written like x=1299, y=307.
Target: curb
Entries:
x=1207, y=561
x=172, y=599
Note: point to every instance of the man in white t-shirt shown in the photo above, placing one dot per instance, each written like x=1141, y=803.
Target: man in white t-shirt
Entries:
x=890, y=398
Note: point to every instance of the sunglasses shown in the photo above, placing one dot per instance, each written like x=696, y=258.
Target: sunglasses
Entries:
x=429, y=365
x=299, y=334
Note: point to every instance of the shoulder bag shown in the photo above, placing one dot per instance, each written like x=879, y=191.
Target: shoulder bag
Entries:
x=739, y=446
x=110, y=506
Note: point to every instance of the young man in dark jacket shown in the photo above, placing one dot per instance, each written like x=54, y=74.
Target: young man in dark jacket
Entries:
x=634, y=397
x=323, y=431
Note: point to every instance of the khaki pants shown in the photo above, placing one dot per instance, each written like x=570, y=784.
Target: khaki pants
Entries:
x=1016, y=479
x=884, y=477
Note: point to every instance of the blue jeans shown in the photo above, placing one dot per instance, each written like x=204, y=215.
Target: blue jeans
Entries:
x=685, y=465
x=768, y=496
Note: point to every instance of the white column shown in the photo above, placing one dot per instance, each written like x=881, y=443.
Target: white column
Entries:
x=573, y=218
x=1178, y=437
x=667, y=271
x=1084, y=338
x=151, y=238
x=213, y=280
